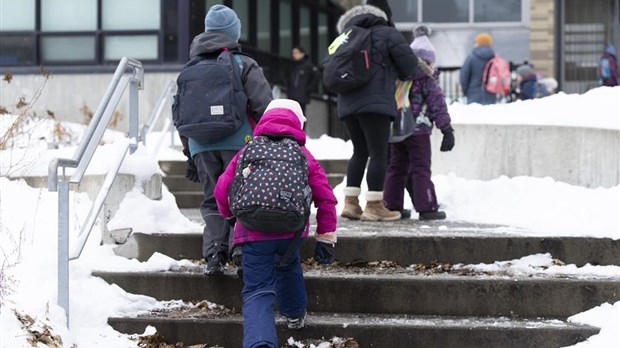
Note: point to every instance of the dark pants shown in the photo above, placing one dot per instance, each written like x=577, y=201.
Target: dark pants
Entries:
x=217, y=235
x=410, y=160
x=369, y=134
x=264, y=281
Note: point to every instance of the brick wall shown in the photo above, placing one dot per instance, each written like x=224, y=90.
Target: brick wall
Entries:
x=542, y=36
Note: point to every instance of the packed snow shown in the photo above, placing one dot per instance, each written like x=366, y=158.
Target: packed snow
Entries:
x=28, y=220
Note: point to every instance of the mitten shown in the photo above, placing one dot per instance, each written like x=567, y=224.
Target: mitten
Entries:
x=325, y=253
x=448, y=139
x=191, y=172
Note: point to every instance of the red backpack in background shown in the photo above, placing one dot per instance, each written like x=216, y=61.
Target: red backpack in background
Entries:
x=496, y=76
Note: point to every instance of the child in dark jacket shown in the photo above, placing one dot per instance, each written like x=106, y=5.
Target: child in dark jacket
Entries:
x=529, y=87
x=265, y=278
x=411, y=157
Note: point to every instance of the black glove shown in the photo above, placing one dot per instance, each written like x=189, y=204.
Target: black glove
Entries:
x=325, y=253
x=448, y=139
x=191, y=173
x=231, y=221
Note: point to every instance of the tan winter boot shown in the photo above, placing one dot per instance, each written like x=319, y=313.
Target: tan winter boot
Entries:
x=352, y=209
x=375, y=210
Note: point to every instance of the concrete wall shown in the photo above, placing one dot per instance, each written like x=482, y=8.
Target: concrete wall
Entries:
x=578, y=156
x=66, y=94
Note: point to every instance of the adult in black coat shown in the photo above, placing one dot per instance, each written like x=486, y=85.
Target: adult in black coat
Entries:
x=368, y=110
x=302, y=79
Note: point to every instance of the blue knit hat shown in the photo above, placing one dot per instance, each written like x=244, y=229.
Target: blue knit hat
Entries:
x=223, y=19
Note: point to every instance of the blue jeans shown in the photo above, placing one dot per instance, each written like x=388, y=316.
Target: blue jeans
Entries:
x=265, y=280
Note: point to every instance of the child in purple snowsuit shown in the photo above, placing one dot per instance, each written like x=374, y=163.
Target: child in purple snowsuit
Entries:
x=265, y=277
x=412, y=156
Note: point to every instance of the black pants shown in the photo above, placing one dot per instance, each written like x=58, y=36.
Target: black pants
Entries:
x=217, y=235
x=369, y=134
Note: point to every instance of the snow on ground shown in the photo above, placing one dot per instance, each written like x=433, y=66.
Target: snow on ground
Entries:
x=28, y=220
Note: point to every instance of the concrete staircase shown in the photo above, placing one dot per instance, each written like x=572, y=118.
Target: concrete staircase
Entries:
x=409, y=299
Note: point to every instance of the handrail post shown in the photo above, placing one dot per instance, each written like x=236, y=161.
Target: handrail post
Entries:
x=133, y=114
x=63, y=246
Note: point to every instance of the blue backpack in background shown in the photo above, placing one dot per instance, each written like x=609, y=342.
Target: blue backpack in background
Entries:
x=604, y=68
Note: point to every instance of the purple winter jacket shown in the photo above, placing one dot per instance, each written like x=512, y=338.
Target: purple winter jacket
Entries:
x=282, y=121
x=425, y=91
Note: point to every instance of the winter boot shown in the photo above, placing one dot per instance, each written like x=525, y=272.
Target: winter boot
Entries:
x=432, y=215
x=352, y=209
x=375, y=210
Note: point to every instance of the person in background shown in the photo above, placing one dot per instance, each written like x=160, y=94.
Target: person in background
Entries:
x=608, y=67
x=367, y=111
x=529, y=87
x=411, y=157
x=303, y=78
x=207, y=161
x=265, y=279
x=472, y=70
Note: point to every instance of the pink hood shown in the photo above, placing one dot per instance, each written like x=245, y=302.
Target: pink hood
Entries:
x=282, y=121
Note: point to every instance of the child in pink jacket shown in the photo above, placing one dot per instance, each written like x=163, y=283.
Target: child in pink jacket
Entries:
x=265, y=278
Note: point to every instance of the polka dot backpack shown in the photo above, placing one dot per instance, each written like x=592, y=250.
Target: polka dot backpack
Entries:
x=270, y=191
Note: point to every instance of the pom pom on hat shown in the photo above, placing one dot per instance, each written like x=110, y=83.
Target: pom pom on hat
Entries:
x=223, y=19
x=422, y=46
x=484, y=39
x=421, y=30
x=288, y=104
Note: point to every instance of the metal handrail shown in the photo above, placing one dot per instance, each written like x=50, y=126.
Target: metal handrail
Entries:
x=81, y=159
x=166, y=96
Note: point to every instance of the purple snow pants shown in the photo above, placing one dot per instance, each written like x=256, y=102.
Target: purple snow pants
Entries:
x=411, y=157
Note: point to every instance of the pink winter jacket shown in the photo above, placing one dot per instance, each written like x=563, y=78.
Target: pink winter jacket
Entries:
x=281, y=121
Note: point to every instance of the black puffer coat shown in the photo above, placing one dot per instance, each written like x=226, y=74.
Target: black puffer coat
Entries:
x=391, y=51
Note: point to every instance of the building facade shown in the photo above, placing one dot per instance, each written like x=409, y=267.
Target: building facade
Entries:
x=81, y=41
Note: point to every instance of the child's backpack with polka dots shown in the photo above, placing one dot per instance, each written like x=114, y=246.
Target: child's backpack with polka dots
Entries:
x=270, y=191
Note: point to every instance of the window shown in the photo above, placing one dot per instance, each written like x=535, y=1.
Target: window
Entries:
x=445, y=11
x=141, y=47
x=263, y=18
x=286, y=27
x=130, y=15
x=68, y=49
x=241, y=8
x=69, y=15
x=17, y=15
x=17, y=50
x=404, y=11
x=210, y=3
x=305, y=30
x=497, y=10
x=323, y=36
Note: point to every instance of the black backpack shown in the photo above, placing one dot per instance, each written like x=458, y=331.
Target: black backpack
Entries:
x=210, y=103
x=270, y=190
x=348, y=62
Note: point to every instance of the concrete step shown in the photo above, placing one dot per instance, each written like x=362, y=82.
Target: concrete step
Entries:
x=373, y=331
x=188, y=199
x=387, y=291
x=335, y=179
x=334, y=165
x=176, y=183
x=410, y=247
